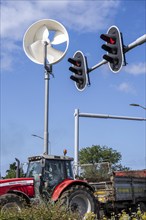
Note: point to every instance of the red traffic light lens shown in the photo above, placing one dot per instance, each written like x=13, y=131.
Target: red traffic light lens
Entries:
x=75, y=62
x=108, y=38
x=78, y=63
x=112, y=41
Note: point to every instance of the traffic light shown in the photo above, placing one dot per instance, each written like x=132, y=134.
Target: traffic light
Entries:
x=114, y=48
x=80, y=70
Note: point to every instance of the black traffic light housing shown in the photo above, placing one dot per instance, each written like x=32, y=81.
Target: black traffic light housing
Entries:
x=114, y=48
x=80, y=70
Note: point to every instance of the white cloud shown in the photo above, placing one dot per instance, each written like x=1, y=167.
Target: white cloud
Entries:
x=9, y=49
x=78, y=15
x=124, y=87
x=136, y=68
x=81, y=16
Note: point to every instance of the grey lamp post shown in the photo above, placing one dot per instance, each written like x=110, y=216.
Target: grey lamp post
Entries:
x=137, y=105
x=34, y=135
x=37, y=136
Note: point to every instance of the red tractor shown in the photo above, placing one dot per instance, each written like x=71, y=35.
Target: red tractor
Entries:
x=51, y=178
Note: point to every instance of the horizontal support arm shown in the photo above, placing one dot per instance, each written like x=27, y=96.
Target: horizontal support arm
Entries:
x=104, y=116
x=135, y=43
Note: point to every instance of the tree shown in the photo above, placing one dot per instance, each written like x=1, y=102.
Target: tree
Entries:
x=11, y=172
x=97, y=154
x=100, y=160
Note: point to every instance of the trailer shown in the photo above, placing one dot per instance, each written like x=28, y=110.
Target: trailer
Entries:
x=125, y=190
x=116, y=190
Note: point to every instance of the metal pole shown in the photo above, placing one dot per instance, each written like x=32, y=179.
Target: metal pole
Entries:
x=46, y=113
x=90, y=115
x=76, y=156
x=137, y=105
x=97, y=65
x=46, y=118
x=34, y=135
x=135, y=43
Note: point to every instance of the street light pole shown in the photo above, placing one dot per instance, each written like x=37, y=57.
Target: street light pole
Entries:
x=35, y=135
x=76, y=146
x=137, y=105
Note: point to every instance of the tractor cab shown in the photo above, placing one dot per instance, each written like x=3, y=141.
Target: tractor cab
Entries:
x=50, y=170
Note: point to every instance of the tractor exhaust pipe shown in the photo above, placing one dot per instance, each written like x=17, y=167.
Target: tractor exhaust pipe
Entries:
x=18, y=168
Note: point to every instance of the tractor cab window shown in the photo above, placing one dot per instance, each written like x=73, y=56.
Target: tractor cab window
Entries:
x=54, y=172
x=34, y=169
x=69, y=169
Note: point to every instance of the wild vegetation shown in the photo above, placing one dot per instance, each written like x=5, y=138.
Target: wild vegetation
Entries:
x=54, y=212
x=41, y=212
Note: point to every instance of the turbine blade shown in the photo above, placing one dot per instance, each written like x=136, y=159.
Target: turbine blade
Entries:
x=53, y=54
x=42, y=34
x=37, y=51
x=59, y=38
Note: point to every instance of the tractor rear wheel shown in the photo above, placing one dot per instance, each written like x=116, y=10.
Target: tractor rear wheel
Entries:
x=11, y=202
x=79, y=198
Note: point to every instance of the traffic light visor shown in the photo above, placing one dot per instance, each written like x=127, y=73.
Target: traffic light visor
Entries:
x=75, y=62
x=108, y=38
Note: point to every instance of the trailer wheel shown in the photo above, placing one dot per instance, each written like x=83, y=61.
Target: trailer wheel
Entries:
x=142, y=206
x=11, y=202
x=79, y=199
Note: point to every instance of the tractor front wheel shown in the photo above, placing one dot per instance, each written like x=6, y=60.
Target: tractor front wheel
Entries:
x=79, y=198
x=11, y=202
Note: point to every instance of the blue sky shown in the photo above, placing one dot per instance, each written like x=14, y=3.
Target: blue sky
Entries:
x=22, y=81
